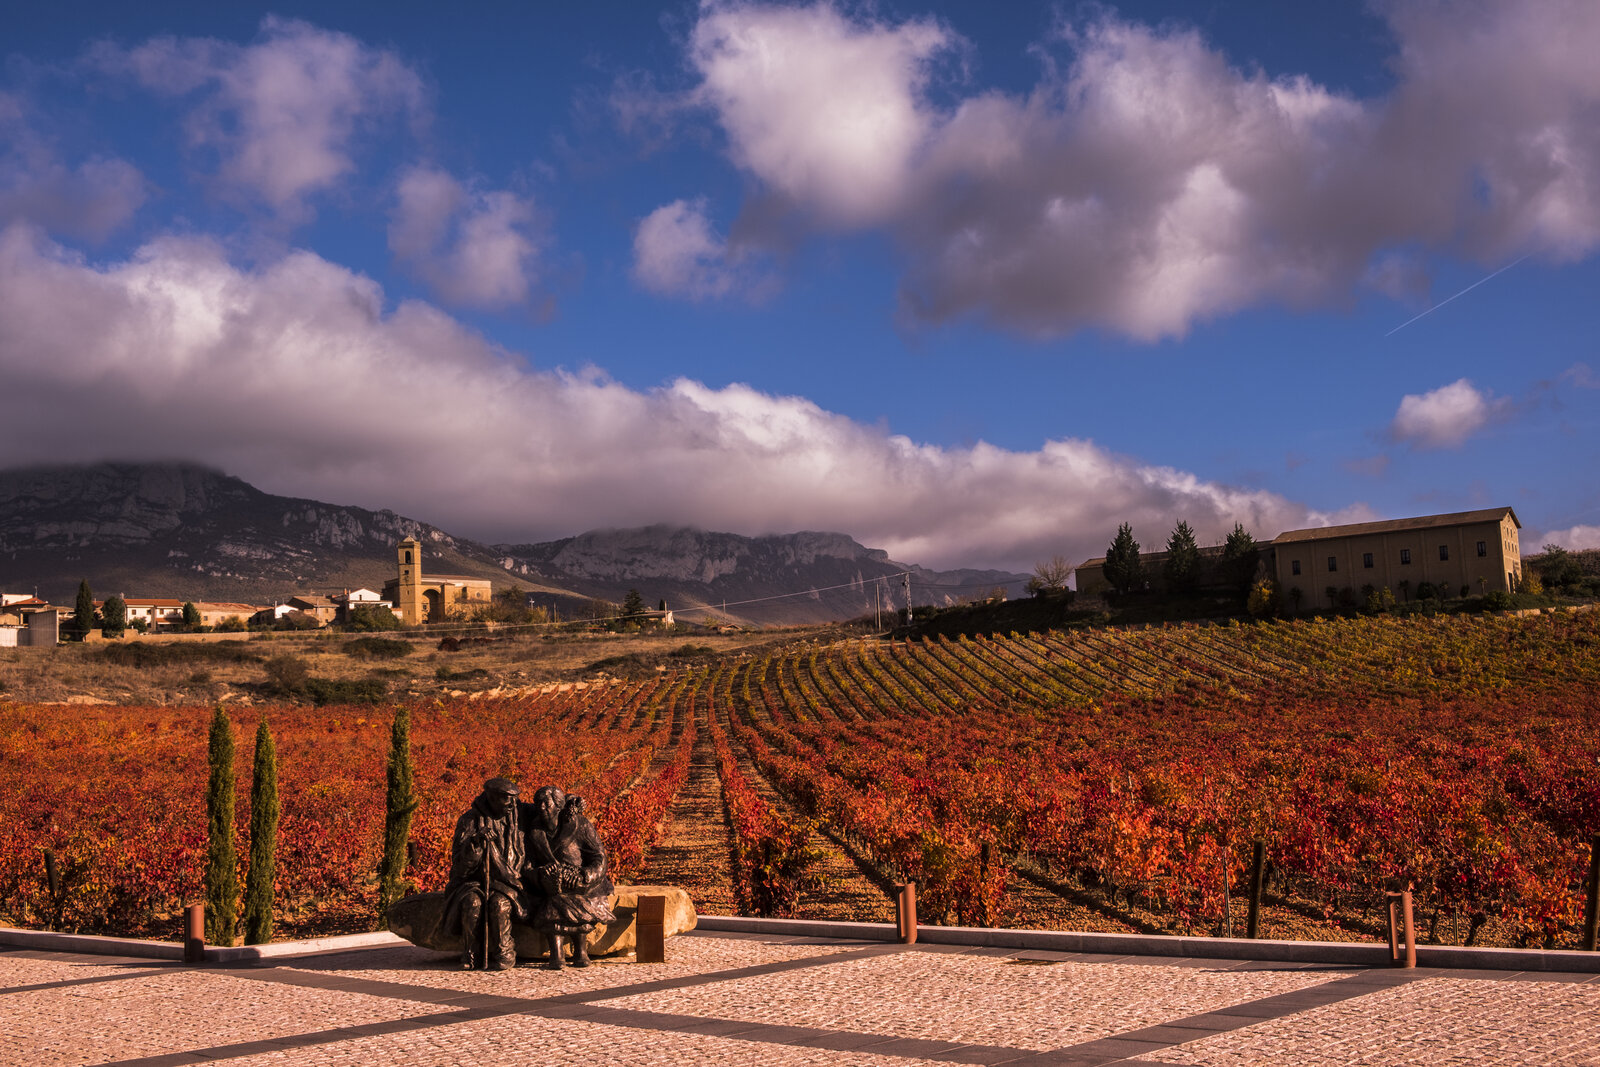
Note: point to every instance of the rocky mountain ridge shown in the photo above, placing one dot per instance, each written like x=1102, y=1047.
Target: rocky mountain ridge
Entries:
x=802, y=577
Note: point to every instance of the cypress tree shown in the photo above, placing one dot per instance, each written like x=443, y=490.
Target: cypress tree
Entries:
x=1239, y=558
x=399, y=803
x=1182, y=568
x=1122, y=567
x=264, y=812
x=222, y=875
x=83, y=613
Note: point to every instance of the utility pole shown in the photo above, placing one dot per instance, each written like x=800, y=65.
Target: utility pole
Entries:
x=908, y=598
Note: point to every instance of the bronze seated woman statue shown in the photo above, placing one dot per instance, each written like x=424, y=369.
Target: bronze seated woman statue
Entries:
x=565, y=874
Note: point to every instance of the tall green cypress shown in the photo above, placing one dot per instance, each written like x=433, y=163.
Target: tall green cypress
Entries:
x=83, y=613
x=264, y=812
x=222, y=875
x=399, y=803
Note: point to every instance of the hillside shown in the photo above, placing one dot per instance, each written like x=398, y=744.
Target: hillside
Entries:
x=755, y=577
x=181, y=530
x=186, y=531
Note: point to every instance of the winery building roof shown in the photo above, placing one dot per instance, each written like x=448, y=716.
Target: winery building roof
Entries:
x=1420, y=522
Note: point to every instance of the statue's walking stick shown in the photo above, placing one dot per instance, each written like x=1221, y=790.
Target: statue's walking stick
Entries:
x=488, y=854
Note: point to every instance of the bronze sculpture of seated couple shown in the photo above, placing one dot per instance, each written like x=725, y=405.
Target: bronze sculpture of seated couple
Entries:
x=540, y=864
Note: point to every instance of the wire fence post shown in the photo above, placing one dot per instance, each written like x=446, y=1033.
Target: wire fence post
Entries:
x=1258, y=865
x=1591, y=911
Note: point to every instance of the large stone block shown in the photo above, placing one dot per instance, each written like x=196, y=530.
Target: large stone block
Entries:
x=416, y=918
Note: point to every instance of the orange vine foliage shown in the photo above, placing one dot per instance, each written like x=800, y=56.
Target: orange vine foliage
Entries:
x=117, y=794
x=1458, y=755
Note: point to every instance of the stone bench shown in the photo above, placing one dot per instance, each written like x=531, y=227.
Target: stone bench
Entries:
x=416, y=918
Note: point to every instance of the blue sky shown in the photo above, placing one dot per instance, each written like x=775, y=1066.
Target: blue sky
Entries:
x=970, y=282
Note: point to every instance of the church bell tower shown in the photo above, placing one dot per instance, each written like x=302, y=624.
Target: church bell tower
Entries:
x=409, y=595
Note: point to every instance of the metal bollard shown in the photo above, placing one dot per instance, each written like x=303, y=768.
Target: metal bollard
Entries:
x=1402, y=902
x=905, y=912
x=194, y=941
x=650, y=938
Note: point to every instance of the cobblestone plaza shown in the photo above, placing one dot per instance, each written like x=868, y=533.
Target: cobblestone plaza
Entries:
x=739, y=998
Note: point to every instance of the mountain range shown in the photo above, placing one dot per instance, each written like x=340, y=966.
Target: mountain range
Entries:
x=186, y=531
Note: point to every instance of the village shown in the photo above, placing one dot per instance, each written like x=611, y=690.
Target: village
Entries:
x=408, y=599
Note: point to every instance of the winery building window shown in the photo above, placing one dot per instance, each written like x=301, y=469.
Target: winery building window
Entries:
x=1405, y=556
x=1483, y=548
x=1333, y=563
x=1444, y=553
x=1366, y=560
x=1294, y=566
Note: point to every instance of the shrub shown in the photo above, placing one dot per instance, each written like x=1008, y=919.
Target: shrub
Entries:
x=1499, y=600
x=378, y=647
x=287, y=675
x=372, y=618
x=345, y=691
x=1426, y=591
x=1263, y=600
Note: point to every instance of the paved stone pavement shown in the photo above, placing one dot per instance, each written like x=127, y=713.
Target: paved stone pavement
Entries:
x=744, y=999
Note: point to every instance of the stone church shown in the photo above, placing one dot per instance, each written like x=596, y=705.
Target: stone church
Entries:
x=434, y=597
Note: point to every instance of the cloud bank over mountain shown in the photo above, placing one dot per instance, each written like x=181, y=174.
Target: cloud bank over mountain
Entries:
x=295, y=375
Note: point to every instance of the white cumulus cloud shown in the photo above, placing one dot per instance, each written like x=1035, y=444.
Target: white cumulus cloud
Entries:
x=1445, y=417
x=1145, y=183
x=475, y=247
x=676, y=252
x=297, y=375
x=826, y=110
x=283, y=113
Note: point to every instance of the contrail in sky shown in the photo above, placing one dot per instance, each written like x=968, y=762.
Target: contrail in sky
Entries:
x=1463, y=292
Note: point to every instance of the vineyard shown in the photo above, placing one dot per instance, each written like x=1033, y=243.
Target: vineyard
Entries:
x=1110, y=779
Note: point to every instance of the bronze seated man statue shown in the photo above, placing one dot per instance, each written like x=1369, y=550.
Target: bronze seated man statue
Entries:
x=488, y=856
x=565, y=875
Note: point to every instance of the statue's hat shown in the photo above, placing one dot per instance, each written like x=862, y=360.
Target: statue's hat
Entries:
x=500, y=785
